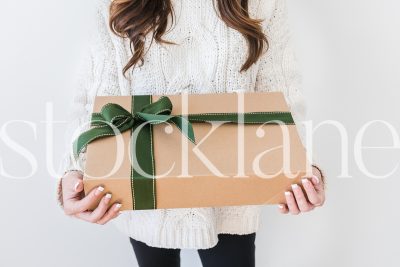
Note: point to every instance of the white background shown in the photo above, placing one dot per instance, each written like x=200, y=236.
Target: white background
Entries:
x=350, y=56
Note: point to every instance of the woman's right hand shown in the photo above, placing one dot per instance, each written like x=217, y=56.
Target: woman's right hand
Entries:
x=76, y=204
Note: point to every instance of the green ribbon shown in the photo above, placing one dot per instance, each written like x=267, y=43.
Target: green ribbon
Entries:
x=114, y=119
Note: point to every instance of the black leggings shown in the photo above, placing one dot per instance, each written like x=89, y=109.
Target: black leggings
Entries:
x=231, y=251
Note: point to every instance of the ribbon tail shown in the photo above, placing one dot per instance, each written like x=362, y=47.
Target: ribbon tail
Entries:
x=184, y=126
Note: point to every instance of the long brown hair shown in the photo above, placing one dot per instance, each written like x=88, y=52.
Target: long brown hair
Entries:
x=134, y=19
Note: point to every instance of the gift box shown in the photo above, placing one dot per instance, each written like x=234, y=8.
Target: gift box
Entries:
x=184, y=151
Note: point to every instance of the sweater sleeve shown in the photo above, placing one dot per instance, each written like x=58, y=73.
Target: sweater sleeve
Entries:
x=97, y=75
x=277, y=67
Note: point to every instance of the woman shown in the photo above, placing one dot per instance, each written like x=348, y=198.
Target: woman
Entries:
x=202, y=46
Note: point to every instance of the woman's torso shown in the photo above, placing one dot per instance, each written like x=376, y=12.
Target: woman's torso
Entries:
x=207, y=57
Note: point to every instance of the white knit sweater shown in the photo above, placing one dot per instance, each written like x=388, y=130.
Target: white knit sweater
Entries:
x=207, y=60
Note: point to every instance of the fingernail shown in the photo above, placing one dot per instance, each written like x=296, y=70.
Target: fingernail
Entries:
x=108, y=197
x=281, y=206
x=316, y=179
x=295, y=186
x=305, y=181
x=99, y=190
x=76, y=186
x=287, y=193
x=118, y=206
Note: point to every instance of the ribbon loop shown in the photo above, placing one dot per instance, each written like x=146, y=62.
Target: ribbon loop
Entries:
x=162, y=106
x=114, y=112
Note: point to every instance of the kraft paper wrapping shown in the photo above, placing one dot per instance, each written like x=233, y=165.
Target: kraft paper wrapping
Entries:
x=204, y=188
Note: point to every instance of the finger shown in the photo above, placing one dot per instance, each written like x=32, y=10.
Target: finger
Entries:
x=312, y=194
x=101, y=209
x=291, y=203
x=72, y=183
x=73, y=206
x=319, y=186
x=283, y=209
x=78, y=187
x=98, y=213
x=301, y=200
x=112, y=213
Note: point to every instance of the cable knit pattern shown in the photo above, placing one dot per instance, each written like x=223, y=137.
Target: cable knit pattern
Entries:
x=207, y=59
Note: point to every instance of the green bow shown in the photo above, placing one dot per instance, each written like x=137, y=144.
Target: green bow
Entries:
x=114, y=119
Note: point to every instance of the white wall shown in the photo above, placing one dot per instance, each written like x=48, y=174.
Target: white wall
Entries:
x=351, y=60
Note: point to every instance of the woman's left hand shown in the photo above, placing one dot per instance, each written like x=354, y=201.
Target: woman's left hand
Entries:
x=305, y=198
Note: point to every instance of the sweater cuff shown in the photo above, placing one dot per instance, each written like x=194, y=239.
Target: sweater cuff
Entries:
x=71, y=164
x=60, y=194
